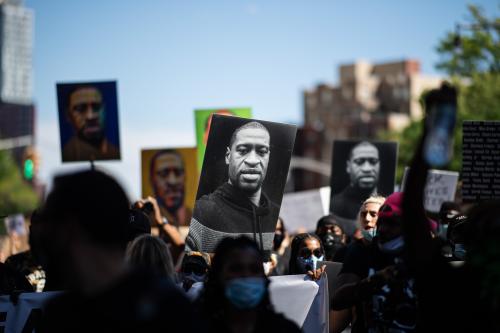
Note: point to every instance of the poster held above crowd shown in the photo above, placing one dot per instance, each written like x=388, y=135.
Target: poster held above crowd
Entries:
x=242, y=182
x=360, y=169
x=170, y=176
x=88, y=121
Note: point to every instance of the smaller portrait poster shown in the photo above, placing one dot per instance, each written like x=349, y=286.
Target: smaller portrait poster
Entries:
x=242, y=182
x=203, y=120
x=360, y=169
x=88, y=121
x=170, y=176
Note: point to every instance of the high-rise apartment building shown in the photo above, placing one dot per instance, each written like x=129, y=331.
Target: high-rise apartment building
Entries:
x=368, y=98
x=17, y=113
x=16, y=47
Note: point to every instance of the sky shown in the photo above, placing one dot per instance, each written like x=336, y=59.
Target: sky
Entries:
x=172, y=57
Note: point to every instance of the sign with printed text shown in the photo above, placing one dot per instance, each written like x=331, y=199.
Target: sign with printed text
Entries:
x=480, y=161
x=440, y=187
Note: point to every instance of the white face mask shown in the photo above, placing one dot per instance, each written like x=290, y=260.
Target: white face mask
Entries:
x=369, y=234
x=393, y=246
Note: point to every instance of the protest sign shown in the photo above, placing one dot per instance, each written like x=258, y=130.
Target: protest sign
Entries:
x=440, y=187
x=302, y=301
x=170, y=176
x=301, y=210
x=241, y=183
x=203, y=120
x=359, y=169
x=88, y=121
x=480, y=161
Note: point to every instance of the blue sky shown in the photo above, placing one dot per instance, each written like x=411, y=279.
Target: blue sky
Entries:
x=171, y=57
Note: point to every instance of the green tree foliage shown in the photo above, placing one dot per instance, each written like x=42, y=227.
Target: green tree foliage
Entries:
x=16, y=196
x=472, y=62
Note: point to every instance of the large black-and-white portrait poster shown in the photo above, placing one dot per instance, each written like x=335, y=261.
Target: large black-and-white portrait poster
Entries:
x=242, y=181
x=360, y=169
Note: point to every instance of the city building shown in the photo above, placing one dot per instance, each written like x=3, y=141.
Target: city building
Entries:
x=17, y=112
x=368, y=98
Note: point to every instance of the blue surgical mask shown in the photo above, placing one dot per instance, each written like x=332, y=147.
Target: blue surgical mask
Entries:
x=459, y=251
x=308, y=264
x=245, y=293
x=369, y=234
x=394, y=246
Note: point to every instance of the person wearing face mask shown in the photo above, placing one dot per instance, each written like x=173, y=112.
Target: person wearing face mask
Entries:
x=456, y=235
x=306, y=252
x=332, y=236
x=374, y=278
x=194, y=269
x=236, y=295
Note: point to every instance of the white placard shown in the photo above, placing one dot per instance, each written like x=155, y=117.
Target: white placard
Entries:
x=440, y=187
x=302, y=210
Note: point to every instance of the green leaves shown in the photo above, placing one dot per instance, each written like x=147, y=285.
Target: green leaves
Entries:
x=16, y=196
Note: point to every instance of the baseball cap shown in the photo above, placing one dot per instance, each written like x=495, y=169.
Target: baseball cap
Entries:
x=138, y=224
x=393, y=208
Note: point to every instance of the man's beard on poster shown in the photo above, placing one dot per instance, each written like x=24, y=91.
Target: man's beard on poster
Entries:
x=251, y=179
x=92, y=132
x=176, y=200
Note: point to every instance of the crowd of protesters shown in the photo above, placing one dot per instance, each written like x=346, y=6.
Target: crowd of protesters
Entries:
x=123, y=267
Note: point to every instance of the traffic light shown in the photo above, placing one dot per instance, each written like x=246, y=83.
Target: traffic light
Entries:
x=28, y=169
x=30, y=164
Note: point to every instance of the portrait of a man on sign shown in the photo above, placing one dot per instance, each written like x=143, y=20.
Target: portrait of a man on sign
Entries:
x=360, y=169
x=170, y=176
x=242, y=182
x=88, y=121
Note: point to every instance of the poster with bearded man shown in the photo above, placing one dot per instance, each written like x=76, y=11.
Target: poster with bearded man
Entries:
x=242, y=181
x=360, y=169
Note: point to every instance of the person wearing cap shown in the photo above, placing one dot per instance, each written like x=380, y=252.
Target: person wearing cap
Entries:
x=374, y=277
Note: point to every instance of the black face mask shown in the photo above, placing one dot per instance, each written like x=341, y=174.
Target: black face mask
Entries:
x=331, y=243
x=278, y=239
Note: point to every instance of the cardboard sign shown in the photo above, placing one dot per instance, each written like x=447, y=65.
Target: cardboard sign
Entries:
x=170, y=176
x=88, y=121
x=440, y=187
x=302, y=301
x=241, y=183
x=203, y=121
x=481, y=161
x=301, y=210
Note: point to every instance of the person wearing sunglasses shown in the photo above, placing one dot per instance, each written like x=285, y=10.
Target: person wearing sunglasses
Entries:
x=306, y=252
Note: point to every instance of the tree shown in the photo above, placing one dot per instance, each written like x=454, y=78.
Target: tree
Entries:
x=16, y=196
x=472, y=62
